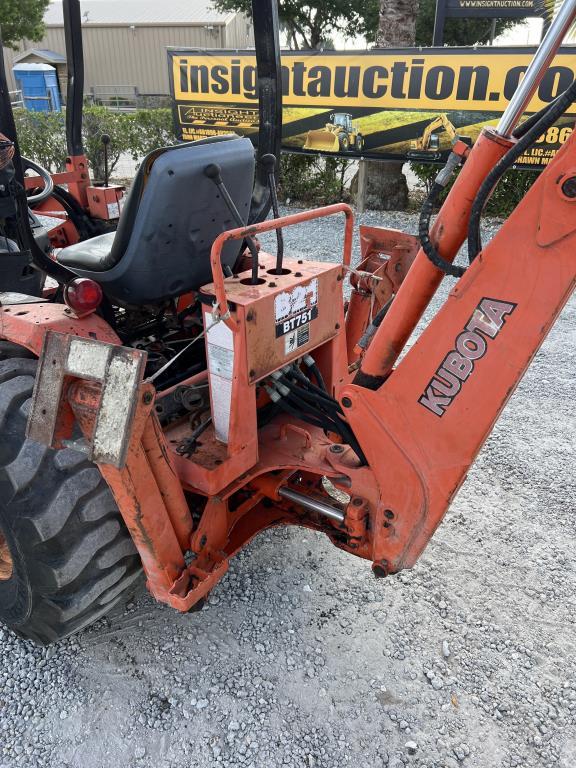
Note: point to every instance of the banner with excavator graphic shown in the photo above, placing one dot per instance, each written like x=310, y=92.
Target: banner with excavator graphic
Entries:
x=386, y=103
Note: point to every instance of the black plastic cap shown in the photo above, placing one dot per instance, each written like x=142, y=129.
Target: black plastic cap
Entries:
x=213, y=171
x=269, y=162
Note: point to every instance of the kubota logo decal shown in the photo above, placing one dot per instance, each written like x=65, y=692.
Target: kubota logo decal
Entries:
x=471, y=345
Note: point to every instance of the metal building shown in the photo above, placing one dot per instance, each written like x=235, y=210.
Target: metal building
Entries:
x=125, y=42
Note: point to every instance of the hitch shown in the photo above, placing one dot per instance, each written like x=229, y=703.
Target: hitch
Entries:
x=117, y=369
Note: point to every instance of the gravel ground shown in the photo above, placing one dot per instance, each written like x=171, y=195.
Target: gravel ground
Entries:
x=302, y=659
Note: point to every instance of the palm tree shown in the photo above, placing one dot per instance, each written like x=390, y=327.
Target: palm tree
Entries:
x=386, y=187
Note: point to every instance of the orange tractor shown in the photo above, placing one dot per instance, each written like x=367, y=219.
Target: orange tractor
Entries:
x=65, y=207
x=183, y=390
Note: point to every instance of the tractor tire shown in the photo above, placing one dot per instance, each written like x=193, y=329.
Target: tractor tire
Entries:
x=66, y=557
x=359, y=143
x=344, y=142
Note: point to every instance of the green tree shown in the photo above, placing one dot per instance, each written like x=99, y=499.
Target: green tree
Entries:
x=308, y=25
x=22, y=19
x=456, y=31
x=405, y=23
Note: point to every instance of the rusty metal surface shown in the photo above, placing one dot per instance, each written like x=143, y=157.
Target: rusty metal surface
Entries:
x=27, y=324
x=256, y=311
x=118, y=369
x=112, y=432
x=219, y=288
x=42, y=421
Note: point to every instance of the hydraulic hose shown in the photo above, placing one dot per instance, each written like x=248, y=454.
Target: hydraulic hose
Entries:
x=311, y=404
x=428, y=246
x=548, y=117
x=426, y=212
x=524, y=127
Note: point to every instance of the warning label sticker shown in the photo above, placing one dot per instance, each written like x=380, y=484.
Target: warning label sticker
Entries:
x=113, y=210
x=297, y=338
x=220, y=361
x=220, y=349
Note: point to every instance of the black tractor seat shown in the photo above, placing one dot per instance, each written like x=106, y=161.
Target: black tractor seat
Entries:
x=172, y=216
x=94, y=254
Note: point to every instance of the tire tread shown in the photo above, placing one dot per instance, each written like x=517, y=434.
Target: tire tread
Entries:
x=79, y=558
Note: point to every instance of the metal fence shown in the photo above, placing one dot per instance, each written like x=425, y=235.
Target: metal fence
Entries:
x=16, y=99
x=118, y=97
x=124, y=98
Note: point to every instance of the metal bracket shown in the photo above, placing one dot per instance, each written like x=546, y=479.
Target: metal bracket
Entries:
x=118, y=369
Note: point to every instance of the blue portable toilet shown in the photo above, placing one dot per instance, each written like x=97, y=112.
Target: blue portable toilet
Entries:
x=39, y=86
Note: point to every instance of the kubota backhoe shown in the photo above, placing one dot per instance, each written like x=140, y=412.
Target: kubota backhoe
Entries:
x=184, y=390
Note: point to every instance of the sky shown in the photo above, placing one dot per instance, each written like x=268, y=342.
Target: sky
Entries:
x=526, y=33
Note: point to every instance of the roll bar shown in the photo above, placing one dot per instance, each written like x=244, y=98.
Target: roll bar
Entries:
x=27, y=242
x=75, y=64
x=267, y=38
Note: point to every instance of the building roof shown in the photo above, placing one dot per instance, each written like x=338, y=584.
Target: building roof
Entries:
x=141, y=12
x=50, y=57
x=33, y=68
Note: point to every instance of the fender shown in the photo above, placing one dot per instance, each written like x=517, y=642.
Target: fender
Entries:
x=27, y=324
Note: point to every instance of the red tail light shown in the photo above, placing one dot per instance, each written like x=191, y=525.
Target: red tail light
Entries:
x=83, y=296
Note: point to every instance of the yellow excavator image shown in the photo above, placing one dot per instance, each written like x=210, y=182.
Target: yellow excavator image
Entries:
x=427, y=147
x=339, y=135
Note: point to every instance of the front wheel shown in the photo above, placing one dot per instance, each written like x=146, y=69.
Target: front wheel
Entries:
x=66, y=557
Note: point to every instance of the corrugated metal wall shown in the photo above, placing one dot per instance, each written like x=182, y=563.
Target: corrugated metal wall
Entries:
x=239, y=33
x=136, y=57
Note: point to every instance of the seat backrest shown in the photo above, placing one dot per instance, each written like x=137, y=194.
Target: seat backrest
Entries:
x=173, y=215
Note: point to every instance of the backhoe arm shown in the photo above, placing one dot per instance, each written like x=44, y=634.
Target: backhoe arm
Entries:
x=422, y=429
x=448, y=127
x=432, y=126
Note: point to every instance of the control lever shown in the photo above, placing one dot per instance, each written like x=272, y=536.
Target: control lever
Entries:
x=105, y=139
x=269, y=162
x=214, y=173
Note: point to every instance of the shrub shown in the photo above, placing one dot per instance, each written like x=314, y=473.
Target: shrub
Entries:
x=42, y=136
x=313, y=180
x=97, y=122
x=508, y=192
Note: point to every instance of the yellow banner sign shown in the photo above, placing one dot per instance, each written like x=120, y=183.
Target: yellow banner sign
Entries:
x=385, y=103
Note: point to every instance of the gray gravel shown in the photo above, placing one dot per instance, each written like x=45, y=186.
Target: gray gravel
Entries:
x=302, y=659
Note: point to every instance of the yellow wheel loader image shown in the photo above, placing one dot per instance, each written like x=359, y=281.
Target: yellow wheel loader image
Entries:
x=339, y=135
x=427, y=147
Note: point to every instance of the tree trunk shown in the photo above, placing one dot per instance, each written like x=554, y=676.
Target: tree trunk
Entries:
x=386, y=186
x=397, y=23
